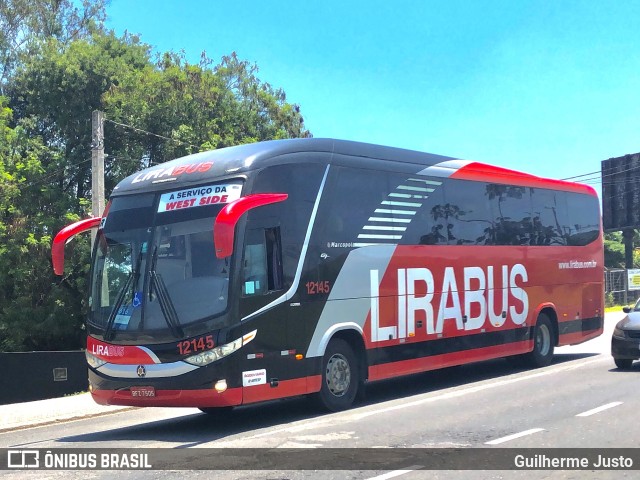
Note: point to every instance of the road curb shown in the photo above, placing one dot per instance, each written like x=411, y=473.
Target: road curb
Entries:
x=53, y=421
x=18, y=416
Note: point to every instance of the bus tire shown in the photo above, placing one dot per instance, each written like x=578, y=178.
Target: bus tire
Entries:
x=340, y=377
x=216, y=412
x=543, y=343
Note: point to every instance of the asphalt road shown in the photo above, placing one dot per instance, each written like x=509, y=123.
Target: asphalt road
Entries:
x=580, y=401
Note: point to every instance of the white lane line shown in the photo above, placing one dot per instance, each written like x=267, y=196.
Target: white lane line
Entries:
x=466, y=390
x=397, y=473
x=599, y=409
x=498, y=441
x=457, y=392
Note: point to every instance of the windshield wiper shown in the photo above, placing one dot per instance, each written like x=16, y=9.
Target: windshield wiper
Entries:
x=166, y=304
x=135, y=273
x=108, y=331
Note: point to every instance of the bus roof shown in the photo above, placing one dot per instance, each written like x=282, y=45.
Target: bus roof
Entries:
x=233, y=161
x=224, y=162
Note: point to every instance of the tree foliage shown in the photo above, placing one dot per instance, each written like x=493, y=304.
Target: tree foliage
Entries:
x=36, y=313
x=57, y=65
x=24, y=22
x=614, y=250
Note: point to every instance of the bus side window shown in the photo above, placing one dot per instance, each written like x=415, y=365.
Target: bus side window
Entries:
x=274, y=258
x=262, y=267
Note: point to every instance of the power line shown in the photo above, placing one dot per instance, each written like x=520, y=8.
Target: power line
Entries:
x=50, y=175
x=139, y=130
x=597, y=178
x=578, y=176
x=601, y=177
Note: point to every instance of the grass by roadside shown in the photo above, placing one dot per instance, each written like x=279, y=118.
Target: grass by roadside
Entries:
x=615, y=308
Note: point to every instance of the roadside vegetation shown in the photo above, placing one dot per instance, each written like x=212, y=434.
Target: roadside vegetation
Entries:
x=58, y=63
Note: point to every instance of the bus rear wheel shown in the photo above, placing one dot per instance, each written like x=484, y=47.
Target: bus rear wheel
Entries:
x=543, y=343
x=340, y=378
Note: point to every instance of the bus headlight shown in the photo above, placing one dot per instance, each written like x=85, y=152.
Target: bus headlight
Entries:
x=205, y=358
x=94, y=361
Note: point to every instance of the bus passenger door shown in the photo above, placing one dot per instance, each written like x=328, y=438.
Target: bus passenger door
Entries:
x=263, y=364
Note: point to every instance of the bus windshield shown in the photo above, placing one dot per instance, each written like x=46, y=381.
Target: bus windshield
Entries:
x=156, y=275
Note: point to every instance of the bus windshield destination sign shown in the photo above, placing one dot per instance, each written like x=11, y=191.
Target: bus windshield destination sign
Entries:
x=199, y=197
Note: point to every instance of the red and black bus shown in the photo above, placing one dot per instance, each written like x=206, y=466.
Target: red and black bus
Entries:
x=313, y=266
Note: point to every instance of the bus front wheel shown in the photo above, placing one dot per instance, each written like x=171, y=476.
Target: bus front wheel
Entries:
x=340, y=380
x=217, y=412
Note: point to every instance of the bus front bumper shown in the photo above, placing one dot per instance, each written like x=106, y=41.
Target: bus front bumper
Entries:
x=150, y=397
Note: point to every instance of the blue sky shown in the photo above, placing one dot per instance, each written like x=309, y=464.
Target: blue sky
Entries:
x=547, y=87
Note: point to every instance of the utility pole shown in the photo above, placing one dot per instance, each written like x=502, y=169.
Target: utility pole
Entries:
x=97, y=165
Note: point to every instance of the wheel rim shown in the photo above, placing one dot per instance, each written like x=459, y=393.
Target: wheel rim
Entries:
x=543, y=340
x=338, y=375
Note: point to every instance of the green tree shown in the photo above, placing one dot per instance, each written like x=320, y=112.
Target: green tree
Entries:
x=199, y=107
x=614, y=250
x=196, y=107
x=46, y=145
x=58, y=87
x=34, y=313
x=24, y=22
x=261, y=110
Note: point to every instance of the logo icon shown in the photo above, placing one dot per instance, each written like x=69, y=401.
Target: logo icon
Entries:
x=137, y=300
x=141, y=371
x=23, y=459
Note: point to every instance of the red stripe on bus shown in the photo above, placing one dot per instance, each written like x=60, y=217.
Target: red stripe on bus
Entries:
x=285, y=388
x=209, y=397
x=481, y=172
x=119, y=354
x=417, y=365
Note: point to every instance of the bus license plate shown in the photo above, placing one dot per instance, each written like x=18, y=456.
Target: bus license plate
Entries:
x=143, y=392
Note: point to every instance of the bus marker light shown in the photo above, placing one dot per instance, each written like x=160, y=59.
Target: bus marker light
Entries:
x=299, y=356
x=220, y=386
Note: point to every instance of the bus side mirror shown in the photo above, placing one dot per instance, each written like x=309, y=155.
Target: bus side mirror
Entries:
x=225, y=223
x=64, y=236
